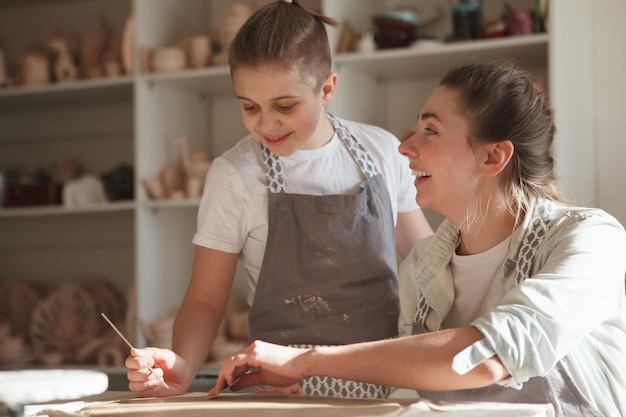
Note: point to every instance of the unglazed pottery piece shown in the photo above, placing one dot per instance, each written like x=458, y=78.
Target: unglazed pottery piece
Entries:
x=169, y=58
x=128, y=45
x=34, y=69
x=199, y=51
x=107, y=299
x=63, y=65
x=63, y=322
x=235, y=16
x=18, y=299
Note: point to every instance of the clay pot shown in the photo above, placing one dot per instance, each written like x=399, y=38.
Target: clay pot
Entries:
x=170, y=58
x=235, y=16
x=146, y=56
x=154, y=187
x=35, y=69
x=92, y=47
x=198, y=50
x=112, y=67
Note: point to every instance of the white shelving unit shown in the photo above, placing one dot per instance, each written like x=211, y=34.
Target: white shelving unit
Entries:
x=137, y=118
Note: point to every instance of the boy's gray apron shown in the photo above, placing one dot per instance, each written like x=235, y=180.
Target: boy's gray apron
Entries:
x=557, y=387
x=329, y=273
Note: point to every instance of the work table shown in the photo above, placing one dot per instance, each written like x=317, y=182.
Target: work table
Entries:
x=125, y=404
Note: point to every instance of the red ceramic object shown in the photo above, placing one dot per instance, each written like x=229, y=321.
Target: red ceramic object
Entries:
x=393, y=33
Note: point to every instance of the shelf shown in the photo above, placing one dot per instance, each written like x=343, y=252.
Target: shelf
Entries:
x=212, y=81
x=165, y=204
x=70, y=94
x=61, y=210
x=55, y=210
x=435, y=60
x=30, y=3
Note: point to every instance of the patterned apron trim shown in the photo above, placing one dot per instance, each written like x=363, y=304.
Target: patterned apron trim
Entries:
x=334, y=387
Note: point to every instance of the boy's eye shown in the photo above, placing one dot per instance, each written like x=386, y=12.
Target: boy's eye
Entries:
x=285, y=108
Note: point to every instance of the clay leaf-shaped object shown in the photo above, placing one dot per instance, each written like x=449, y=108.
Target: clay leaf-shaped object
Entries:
x=63, y=322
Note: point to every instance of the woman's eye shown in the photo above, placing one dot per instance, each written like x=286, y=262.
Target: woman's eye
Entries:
x=249, y=108
x=429, y=131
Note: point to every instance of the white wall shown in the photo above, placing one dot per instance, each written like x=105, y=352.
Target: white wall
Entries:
x=588, y=91
x=610, y=105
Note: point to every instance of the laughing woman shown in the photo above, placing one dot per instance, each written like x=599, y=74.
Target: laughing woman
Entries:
x=518, y=296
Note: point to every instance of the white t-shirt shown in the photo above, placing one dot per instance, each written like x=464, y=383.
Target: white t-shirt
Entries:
x=233, y=212
x=477, y=281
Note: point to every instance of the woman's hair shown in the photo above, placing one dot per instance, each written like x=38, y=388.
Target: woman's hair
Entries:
x=287, y=35
x=500, y=101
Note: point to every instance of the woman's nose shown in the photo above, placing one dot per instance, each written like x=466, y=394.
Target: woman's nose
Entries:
x=408, y=147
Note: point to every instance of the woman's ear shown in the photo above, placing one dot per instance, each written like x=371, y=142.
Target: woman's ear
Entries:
x=328, y=88
x=497, y=157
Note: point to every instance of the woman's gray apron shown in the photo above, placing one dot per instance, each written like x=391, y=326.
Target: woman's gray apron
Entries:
x=557, y=387
x=329, y=273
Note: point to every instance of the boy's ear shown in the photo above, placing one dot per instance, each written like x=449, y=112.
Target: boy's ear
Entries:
x=497, y=157
x=328, y=88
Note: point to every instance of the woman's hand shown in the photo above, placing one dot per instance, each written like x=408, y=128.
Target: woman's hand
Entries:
x=294, y=389
x=165, y=363
x=262, y=363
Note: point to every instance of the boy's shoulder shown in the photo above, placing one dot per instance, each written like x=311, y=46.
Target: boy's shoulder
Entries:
x=243, y=150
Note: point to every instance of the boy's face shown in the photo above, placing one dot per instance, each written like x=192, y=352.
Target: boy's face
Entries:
x=282, y=110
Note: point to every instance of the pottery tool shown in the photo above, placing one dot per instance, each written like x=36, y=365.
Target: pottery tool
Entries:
x=228, y=387
x=132, y=347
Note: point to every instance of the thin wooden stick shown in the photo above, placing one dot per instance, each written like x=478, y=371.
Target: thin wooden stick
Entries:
x=161, y=380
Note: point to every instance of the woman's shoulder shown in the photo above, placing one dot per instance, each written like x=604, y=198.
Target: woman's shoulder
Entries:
x=572, y=214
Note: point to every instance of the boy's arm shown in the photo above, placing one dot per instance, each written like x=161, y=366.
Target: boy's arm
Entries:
x=200, y=315
x=412, y=227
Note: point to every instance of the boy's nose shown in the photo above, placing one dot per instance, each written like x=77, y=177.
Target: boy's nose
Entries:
x=267, y=122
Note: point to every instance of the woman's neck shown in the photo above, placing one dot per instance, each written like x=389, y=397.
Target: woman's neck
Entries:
x=481, y=234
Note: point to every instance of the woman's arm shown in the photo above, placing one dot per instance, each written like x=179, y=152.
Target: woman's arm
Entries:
x=422, y=362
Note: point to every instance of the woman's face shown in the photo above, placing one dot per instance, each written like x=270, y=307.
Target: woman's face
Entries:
x=282, y=110
x=447, y=175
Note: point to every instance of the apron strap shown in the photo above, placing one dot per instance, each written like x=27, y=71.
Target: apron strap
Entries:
x=276, y=176
x=543, y=219
x=359, y=153
x=273, y=171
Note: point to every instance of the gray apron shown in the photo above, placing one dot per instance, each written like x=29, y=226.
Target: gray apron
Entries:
x=329, y=273
x=557, y=387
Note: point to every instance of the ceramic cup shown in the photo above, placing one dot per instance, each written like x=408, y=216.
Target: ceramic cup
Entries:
x=170, y=58
x=199, y=51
